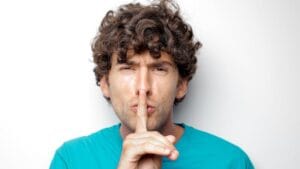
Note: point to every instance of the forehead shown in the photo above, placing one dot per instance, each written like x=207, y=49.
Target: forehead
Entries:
x=144, y=57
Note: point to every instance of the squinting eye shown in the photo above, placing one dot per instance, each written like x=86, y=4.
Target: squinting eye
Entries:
x=160, y=69
x=126, y=68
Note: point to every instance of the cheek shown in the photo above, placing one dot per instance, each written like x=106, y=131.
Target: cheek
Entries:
x=166, y=89
x=129, y=81
x=122, y=83
x=121, y=89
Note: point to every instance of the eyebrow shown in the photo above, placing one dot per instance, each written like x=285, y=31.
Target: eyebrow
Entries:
x=153, y=64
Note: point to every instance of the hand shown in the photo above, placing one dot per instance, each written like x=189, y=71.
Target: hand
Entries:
x=144, y=149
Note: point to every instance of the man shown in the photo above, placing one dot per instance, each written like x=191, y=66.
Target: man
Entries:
x=145, y=58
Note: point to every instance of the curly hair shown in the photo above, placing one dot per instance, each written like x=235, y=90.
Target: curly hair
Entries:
x=155, y=27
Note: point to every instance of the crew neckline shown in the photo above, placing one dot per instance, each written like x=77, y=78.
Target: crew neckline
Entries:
x=183, y=125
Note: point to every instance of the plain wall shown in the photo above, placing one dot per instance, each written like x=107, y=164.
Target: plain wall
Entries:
x=246, y=89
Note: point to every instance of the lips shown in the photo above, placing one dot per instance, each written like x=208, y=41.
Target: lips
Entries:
x=150, y=109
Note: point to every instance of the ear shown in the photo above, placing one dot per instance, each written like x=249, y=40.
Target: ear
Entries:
x=182, y=88
x=104, y=85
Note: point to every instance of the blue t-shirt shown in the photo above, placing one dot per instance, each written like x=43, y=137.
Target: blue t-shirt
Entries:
x=197, y=150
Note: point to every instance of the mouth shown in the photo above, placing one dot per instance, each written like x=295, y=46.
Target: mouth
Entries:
x=150, y=109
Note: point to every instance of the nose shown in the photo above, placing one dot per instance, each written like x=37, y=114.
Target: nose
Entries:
x=143, y=82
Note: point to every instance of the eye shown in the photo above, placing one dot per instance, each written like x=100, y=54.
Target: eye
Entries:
x=160, y=70
x=126, y=68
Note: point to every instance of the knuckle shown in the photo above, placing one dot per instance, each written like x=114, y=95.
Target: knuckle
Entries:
x=130, y=136
x=155, y=134
x=145, y=144
x=129, y=150
x=150, y=147
x=126, y=145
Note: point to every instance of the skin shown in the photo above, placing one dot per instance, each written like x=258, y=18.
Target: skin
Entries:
x=142, y=92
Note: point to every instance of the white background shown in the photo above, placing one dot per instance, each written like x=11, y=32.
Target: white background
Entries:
x=246, y=89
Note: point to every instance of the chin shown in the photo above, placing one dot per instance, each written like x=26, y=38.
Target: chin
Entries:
x=154, y=127
x=151, y=126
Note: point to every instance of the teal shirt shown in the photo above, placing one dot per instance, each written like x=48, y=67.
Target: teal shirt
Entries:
x=197, y=150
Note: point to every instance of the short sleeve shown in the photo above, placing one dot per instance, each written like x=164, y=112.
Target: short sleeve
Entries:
x=58, y=161
x=242, y=162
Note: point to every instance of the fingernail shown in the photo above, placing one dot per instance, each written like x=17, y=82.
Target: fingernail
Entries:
x=167, y=150
x=175, y=153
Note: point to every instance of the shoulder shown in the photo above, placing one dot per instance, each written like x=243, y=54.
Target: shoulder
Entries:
x=199, y=137
x=210, y=145
x=88, y=151
x=84, y=143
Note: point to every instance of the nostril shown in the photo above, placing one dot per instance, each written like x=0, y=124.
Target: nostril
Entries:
x=145, y=91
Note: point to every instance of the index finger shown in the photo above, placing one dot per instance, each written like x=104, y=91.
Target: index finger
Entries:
x=141, y=120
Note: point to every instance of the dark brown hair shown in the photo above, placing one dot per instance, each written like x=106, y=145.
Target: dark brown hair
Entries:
x=156, y=27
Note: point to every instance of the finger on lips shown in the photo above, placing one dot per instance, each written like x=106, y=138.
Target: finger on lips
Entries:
x=153, y=142
x=141, y=120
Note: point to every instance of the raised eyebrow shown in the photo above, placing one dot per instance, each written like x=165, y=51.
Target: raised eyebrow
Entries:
x=161, y=63
x=154, y=64
x=128, y=63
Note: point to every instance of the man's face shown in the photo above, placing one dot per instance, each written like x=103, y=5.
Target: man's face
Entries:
x=158, y=77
